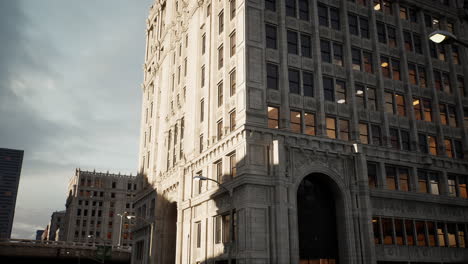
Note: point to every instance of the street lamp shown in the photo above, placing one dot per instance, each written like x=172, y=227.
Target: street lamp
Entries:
x=121, y=223
x=231, y=213
x=442, y=36
x=151, y=229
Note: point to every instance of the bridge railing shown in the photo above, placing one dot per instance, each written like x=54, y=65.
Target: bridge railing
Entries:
x=61, y=244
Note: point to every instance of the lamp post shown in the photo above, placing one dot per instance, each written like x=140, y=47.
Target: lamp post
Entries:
x=121, y=223
x=151, y=229
x=231, y=212
x=442, y=36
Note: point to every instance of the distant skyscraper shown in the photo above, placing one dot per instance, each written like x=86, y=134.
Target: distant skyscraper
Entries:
x=39, y=234
x=11, y=161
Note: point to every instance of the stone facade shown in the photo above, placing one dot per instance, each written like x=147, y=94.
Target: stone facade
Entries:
x=265, y=96
x=57, y=220
x=93, y=206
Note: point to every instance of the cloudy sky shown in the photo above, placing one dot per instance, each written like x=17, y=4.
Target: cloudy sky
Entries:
x=70, y=75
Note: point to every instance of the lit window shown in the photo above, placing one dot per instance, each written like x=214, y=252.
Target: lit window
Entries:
x=331, y=127
x=295, y=121
x=344, y=129
x=363, y=133
x=273, y=117
x=309, y=123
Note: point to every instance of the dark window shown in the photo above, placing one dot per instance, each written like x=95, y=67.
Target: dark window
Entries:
x=405, y=140
x=337, y=54
x=381, y=32
x=372, y=174
x=417, y=43
x=423, y=147
x=292, y=42
x=220, y=57
x=391, y=177
x=325, y=51
x=272, y=76
x=290, y=8
x=335, y=18
x=306, y=46
x=394, y=138
x=232, y=42
x=387, y=229
x=308, y=83
x=271, y=36
x=459, y=154
x=329, y=92
x=304, y=9
x=270, y=5
x=353, y=24
x=356, y=59
x=294, y=81
x=368, y=65
x=220, y=94
x=233, y=8
x=232, y=80
x=407, y=40
x=221, y=21
x=323, y=15
x=376, y=135
x=364, y=27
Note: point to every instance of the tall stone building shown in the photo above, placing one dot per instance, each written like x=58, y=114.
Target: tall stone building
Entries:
x=55, y=227
x=96, y=208
x=336, y=129
x=11, y=161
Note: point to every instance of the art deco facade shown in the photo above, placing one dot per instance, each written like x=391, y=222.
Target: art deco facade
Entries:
x=11, y=161
x=94, y=203
x=337, y=130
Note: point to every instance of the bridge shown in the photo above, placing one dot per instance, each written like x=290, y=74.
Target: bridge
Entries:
x=24, y=251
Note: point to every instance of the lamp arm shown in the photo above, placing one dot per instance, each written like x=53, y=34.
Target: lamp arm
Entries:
x=220, y=185
x=461, y=42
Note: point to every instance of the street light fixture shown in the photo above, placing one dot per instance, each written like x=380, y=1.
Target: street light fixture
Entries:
x=129, y=217
x=121, y=223
x=442, y=36
x=231, y=213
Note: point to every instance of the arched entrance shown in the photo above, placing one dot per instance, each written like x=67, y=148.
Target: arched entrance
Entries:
x=316, y=212
x=170, y=234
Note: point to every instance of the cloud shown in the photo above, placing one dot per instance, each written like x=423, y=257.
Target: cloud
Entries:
x=69, y=94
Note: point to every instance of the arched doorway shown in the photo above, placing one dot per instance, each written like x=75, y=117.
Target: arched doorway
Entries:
x=316, y=212
x=170, y=234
